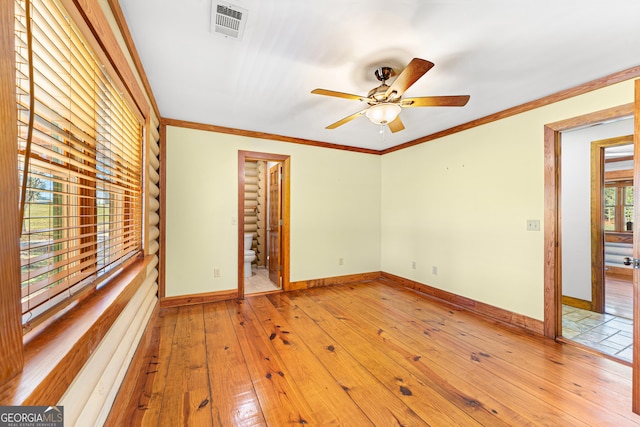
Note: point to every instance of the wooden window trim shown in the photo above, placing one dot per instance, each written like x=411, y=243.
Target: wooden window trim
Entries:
x=88, y=16
x=10, y=326
x=55, y=353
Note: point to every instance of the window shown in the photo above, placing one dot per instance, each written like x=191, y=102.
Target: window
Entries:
x=618, y=206
x=80, y=146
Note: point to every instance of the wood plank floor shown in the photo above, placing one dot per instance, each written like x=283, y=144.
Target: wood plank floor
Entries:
x=365, y=354
x=618, y=298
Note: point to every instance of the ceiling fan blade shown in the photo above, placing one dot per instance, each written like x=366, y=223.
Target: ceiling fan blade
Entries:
x=436, y=101
x=327, y=92
x=346, y=119
x=416, y=69
x=396, y=125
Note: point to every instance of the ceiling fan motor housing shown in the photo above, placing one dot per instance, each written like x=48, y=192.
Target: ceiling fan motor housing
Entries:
x=378, y=93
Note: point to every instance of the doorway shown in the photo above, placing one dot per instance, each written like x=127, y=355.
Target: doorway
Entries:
x=596, y=201
x=612, y=216
x=552, y=215
x=263, y=217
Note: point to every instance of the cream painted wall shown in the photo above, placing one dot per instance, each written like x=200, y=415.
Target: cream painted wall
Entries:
x=460, y=203
x=335, y=210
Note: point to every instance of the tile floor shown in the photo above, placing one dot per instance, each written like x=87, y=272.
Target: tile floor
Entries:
x=605, y=332
x=259, y=281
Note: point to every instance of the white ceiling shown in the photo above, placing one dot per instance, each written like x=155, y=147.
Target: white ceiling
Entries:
x=501, y=52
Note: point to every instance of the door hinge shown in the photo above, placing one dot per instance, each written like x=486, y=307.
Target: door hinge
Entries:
x=634, y=262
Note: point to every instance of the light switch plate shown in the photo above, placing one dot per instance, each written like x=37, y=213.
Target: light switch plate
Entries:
x=533, y=225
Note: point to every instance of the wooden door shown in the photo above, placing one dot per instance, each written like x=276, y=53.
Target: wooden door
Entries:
x=275, y=224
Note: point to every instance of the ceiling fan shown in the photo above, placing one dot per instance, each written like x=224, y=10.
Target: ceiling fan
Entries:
x=386, y=102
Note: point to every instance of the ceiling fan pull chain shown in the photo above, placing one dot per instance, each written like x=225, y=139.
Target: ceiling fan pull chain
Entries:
x=382, y=131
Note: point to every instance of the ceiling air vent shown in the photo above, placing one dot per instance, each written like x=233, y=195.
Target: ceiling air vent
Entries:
x=227, y=19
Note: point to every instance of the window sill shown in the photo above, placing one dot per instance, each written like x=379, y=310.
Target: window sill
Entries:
x=54, y=357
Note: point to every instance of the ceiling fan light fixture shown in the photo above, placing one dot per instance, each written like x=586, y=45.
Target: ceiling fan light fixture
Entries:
x=383, y=113
x=386, y=102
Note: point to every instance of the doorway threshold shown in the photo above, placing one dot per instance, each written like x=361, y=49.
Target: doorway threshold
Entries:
x=606, y=333
x=259, y=282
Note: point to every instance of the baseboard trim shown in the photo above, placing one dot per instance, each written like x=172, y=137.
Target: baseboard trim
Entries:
x=203, y=298
x=476, y=307
x=576, y=302
x=336, y=280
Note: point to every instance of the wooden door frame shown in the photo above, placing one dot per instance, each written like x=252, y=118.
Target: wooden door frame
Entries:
x=597, y=213
x=552, y=241
x=285, y=232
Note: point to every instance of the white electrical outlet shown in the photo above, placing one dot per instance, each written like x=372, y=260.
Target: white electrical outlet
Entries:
x=533, y=225
x=340, y=261
x=413, y=265
x=434, y=270
x=216, y=272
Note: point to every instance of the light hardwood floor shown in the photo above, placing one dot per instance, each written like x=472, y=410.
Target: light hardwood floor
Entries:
x=618, y=297
x=365, y=354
